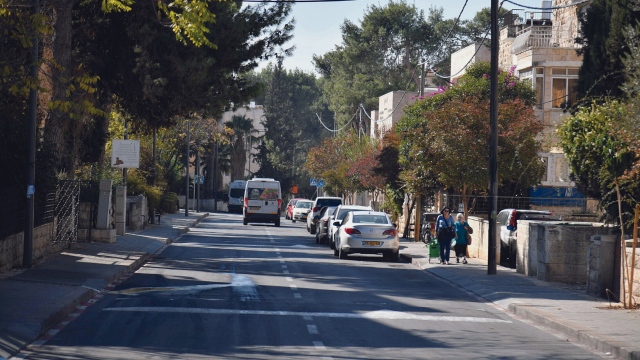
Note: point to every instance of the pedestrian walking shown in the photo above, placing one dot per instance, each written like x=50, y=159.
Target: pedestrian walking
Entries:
x=445, y=231
x=461, y=227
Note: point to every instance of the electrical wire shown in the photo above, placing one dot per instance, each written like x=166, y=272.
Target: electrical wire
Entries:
x=345, y=125
x=549, y=8
x=446, y=38
x=472, y=57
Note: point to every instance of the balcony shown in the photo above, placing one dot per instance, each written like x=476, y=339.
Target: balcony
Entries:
x=544, y=37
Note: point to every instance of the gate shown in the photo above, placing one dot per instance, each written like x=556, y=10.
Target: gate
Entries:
x=66, y=211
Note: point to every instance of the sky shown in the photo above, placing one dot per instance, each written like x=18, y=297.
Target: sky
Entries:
x=317, y=28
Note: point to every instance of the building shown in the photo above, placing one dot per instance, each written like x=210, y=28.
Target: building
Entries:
x=464, y=57
x=541, y=45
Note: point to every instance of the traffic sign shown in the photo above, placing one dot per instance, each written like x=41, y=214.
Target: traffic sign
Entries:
x=320, y=183
x=313, y=182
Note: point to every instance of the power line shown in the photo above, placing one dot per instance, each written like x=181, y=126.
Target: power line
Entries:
x=345, y=125
x=549, y=8
x=449, y=33
x=470, y=59
x=294, y=1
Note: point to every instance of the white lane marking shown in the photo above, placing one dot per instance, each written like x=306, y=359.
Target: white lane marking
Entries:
x=278, y=253
x=312, y=329
x=297, y=296
x=285, y=271
x=281, y=261
x=277, y=249
x=300, y=246
x=289, y=278
x=53, y=332
x=279, y=256
x=293, y=287
x=327, y=358
x=307, y=317
x=380, y=314
x=284, y=266
x=244, y=287
x=319, y=345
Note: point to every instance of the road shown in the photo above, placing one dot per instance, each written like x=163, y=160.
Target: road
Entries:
x=228, y=291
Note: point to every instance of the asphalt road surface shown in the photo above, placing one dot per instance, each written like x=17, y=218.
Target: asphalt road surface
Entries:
x=228, y=291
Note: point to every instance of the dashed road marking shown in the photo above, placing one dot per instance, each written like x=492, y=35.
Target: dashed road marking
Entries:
x=297, y=296
x=284, y=266
x=293, y=287
x=289, y=278
x=285, y=271
x=307, y=317
x=282, y=261
x=312, y=329
x=319, y=345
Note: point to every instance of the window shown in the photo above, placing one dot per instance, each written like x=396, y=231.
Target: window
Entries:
x=562, y=169
x=535, y=77
x=564, y=87
x=540, y=91
x=545, y=160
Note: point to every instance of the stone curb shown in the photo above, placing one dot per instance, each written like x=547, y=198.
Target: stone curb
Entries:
x=85, y=296
x=582, y=334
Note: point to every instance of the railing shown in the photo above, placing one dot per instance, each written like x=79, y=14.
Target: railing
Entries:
x=518, y=17
x=558, y=205
x=537, y=37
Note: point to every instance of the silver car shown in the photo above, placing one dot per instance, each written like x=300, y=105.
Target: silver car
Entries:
x=367, y=232
x=338, y=215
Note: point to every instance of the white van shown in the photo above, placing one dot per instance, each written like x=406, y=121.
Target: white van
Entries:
x=236, y=195
x=262, y=201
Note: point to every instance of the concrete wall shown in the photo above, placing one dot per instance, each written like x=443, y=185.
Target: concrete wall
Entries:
x=137, y=212
x=479, y=245
x=601, y=264
x=471, y=54
x=205, y=204
x=11, y=248
x=554, y=251
x=386, y=104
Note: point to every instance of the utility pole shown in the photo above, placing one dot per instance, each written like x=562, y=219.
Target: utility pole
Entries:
x=124, y=170
x=493, y=152
x=27, y=253
x=186, y=195
x=215, y=181
x=197, y=182
x=422, y=78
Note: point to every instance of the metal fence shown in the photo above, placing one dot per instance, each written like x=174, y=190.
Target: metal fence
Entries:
x=479, y=205
x=541, y=37
x=66, y=211
x=13, y=203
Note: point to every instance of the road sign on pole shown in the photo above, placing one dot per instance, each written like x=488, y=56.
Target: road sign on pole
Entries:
x=320, y=183
x=313, y=182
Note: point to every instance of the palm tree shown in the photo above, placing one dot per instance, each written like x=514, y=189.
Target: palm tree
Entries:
x=243, y=136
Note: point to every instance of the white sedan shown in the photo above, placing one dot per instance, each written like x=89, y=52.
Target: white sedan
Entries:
x=367, y=232
x=338, y=215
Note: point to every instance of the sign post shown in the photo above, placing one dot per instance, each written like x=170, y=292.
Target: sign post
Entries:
x=125, y=154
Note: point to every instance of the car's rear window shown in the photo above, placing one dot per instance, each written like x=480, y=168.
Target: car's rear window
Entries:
x=330, y=211
x=370, y=219
x=262, y=194
x=328, y=202
x=304, y=204
x=236, y=193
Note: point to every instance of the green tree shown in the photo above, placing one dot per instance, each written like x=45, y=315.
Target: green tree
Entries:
x=601, y=34
x=242, y=138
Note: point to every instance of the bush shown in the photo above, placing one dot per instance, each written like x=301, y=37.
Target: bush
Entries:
x=137, y=185
x=169, y=203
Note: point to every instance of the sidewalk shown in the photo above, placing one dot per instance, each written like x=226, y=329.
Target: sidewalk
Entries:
x=564, y=308
x=33, y=300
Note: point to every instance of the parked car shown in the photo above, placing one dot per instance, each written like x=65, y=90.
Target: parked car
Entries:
x=338, y=215
x=288, y=215
x=262, y=201
x=367, y=232
x=507, y=226
x=301, y=210
x=323, y=224
x=318, y=204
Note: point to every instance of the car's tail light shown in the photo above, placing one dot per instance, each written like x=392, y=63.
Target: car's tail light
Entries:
x=352, y=231
x=512, y=222
x=390, y=232
x=246, y=202
x=315, y=209
x=279, y=202
x=550, y=213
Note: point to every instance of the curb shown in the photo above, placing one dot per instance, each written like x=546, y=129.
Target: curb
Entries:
x=584, y=335
x=68, y=309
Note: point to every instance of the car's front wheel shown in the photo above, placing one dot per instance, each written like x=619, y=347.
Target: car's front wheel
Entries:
x=244, y=221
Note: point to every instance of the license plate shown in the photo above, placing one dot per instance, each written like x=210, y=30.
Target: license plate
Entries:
x=255, y=208
x=304, y=216
x=371, y=243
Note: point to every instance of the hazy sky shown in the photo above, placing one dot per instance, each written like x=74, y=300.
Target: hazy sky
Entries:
x=317, y=28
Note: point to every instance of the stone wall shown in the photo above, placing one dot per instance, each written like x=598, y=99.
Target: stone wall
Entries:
x=206, y=204
x=601, y=264
x=137, y=212
x=636, y=272
x=561, y=249
x=11, y=248
x=479, y=247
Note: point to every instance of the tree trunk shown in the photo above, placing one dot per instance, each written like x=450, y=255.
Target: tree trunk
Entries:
x=208, y=179
x=407, y=221
x=238, y=160
x=57, y=123
x=464, y=202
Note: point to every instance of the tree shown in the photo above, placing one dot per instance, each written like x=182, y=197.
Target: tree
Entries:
x=601, y=160
x=602, y=27
x=243, y=136
x=445, y=136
